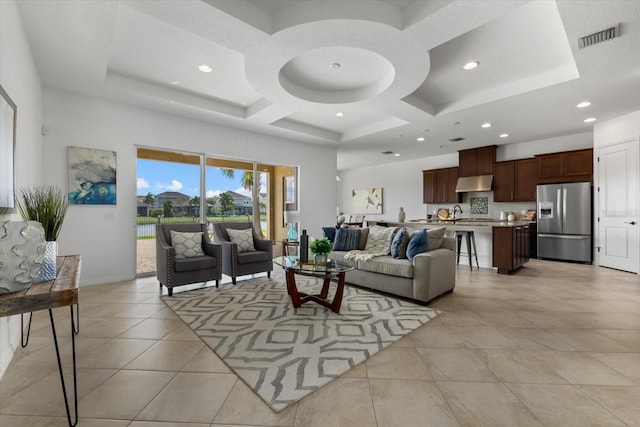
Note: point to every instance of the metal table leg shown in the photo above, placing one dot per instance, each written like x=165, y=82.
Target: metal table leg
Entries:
x=73, y=353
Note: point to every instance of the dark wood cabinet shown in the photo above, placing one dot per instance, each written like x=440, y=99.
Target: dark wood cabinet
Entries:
x=439, y=186
x=511, y=247
x=429, y=186
x=476, y=161
x=515, y=181
x=567, y=166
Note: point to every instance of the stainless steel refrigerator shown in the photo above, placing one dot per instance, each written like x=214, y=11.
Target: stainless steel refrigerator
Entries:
x=564, y=221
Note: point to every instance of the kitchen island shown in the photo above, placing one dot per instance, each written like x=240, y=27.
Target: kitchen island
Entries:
x=500, y=244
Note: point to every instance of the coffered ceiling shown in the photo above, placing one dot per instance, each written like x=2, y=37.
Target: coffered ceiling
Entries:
x=393, y=69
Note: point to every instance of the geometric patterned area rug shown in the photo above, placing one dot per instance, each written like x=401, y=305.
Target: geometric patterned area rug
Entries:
x=283, y=353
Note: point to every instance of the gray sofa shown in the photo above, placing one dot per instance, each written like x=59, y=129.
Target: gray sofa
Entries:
x=429, y=275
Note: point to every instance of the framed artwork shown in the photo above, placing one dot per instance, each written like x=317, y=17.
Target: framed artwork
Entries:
x=92, y=176
x=289, y=189
x=368, y=201
x=7, y=150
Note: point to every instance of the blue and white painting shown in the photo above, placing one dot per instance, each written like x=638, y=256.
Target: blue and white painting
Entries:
x=92, y=176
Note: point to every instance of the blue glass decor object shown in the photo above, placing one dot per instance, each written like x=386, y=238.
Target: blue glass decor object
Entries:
x=293, y=234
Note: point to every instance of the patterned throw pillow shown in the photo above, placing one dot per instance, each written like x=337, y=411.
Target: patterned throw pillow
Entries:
x=347, y=239
x=187, y=245
x=242, y=238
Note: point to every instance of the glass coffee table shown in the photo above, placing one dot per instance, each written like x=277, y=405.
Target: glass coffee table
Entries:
x=332, y=270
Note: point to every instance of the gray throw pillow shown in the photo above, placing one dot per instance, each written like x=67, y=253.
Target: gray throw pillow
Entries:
x=187, y=245
x=242, y=238
x=435, y=238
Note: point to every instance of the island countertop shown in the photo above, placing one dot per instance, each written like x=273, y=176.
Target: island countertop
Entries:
x=466, y=222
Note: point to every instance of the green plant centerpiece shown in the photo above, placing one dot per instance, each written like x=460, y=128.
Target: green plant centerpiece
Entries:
x=47, y=205
x=320, y=249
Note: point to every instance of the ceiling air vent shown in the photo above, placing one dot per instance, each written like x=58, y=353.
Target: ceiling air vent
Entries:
x=599, y=37
x=458, y=139
x=387, y=152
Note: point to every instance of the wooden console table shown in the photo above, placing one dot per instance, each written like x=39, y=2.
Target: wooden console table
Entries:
x=60, y=292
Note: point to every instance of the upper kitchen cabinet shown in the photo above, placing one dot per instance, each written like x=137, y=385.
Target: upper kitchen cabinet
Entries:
x=439, y=185
x=567, y=166
x=476, y=161
x=515, y=181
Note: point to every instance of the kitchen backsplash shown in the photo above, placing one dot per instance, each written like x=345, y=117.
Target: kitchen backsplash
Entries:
x=481, y=205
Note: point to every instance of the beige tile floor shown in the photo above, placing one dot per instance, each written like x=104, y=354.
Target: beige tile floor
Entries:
x=555, y=344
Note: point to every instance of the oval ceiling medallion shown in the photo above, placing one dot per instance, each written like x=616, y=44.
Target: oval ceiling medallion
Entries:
x=334, y=75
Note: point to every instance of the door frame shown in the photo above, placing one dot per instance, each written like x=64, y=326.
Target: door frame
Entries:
x=596, y=169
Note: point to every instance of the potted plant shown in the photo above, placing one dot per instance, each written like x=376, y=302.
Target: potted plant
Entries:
x=47, y=205
x=320, y=249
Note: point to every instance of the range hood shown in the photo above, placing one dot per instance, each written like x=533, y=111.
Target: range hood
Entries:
x=468, y=184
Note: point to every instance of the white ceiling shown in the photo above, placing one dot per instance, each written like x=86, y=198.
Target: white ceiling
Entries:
x=400, y=75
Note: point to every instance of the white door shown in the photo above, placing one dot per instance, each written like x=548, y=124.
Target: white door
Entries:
x=618, y=243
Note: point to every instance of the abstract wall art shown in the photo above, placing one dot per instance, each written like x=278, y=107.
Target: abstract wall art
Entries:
x=92, y=176
x=367, y=201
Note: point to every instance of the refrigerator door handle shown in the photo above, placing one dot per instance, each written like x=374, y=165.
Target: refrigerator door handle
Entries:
x=564, y=207
x=563, y=236
x=559, y=202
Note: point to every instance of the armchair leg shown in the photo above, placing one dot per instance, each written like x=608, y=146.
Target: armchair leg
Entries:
x=170, y=291
x=268, y=275
x=217, y=283
x=233, y=280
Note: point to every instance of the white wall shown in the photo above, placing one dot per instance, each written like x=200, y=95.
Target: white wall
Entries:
x=105, y=235
x=19, y=78
x=402, y=181
x=620, y=129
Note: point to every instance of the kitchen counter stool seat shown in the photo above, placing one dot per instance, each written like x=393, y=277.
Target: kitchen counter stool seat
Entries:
x=470, y=240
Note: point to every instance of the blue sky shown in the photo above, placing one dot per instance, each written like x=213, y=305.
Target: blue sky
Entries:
x=156, y=177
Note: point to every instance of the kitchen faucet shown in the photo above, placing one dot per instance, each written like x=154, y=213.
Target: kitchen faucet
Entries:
x=456, y=208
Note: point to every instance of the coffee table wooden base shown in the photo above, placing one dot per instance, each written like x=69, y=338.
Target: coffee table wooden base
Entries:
x=299, y=298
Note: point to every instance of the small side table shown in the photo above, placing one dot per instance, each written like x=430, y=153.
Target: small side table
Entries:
x=60, y=292
x=288, y=245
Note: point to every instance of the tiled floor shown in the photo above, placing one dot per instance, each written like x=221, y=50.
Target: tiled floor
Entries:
x=555, y=344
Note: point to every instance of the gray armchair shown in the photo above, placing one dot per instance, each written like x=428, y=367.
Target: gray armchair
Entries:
x=174, y=271
x=236, y=263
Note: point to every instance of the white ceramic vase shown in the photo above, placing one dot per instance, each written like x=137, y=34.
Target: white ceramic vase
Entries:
x=22, y=247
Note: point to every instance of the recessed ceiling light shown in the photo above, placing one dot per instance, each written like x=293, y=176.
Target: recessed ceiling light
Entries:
x=335, y=65
x=339, y=114
x=175, y=82
x=486, y=125
x=504, y=135
x=590, y=119
x=583, y=104
x=470, y=65
x=421, y=139
x=205, y=68
x=396, y=155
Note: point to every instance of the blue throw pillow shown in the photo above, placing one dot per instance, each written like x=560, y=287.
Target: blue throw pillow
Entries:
x=329, y=233
x=397, y=242
x=347, y=239
x=417, y=243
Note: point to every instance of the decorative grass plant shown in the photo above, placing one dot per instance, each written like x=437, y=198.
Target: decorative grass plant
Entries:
x=46, y=204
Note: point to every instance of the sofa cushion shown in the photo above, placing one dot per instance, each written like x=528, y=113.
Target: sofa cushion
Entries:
x=187, y=245
x=242, y=238
x=347, y=239
x=364, y=236
x=251, y=257
x=195, y=263
x=435, y=238
x=417, y=243
x=329, y=233
x=388, y=265
x=399, y=244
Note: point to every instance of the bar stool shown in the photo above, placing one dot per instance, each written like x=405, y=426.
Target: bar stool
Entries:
x=471, y=246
